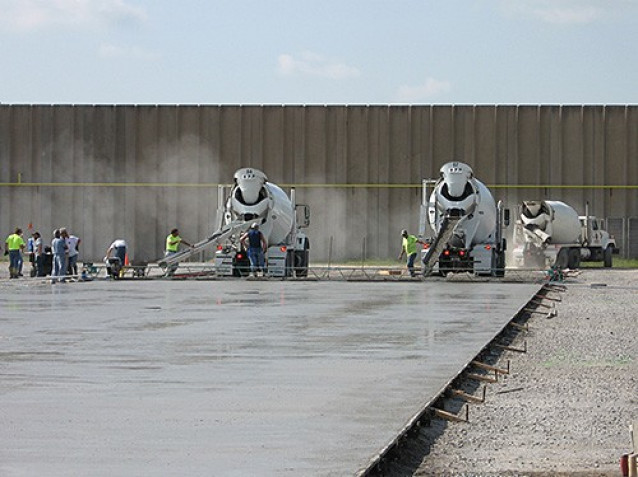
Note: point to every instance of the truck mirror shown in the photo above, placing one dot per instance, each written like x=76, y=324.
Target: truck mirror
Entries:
x=304, y=221
x=506, y=217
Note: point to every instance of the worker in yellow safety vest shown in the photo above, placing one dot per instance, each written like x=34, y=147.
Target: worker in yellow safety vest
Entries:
x=173, y=240
x=408, y=247
x=14, y=247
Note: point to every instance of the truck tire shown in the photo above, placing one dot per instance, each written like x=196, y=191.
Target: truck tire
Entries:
x=302, y=259
x=573, y=261
x=499, y=270
x=608, y=257
x=562, y=259
x=301, y=268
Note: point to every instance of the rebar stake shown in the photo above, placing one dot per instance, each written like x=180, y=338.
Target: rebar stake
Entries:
x=468, y=397
x=524, y=327
x=489, y=367
x=547, y=297
x=482, y=377
x=448, y=416
x=512, y=348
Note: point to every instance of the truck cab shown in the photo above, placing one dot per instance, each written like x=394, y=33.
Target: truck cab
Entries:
x=599, y=242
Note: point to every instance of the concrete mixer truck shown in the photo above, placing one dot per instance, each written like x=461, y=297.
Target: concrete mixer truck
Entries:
x=466, y=225
x=252, y=199
x=551, y=233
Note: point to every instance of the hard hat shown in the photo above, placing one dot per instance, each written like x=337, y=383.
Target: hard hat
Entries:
x=404, y=232
x=255, y=225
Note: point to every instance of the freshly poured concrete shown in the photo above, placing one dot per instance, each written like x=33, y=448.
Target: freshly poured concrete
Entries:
x=228, y=378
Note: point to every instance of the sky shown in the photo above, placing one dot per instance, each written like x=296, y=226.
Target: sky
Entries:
x=319, y=52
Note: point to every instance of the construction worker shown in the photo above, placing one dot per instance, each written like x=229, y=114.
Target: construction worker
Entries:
x=73, y=245
x=31, y=253
x=408, y=247
x=14, y=246
x=60, y=250
x=115, y=264
x=172, y=246
x=256, y=248
x=38, y=254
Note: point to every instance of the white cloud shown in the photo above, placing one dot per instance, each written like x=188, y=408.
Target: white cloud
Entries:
x=312, y=64
x=38, y=14
x=569, y=15
x=565, y=12
x=431, y=88
x=126, y=52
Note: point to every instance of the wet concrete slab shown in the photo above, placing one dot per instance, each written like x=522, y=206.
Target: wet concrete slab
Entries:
x=228, y=378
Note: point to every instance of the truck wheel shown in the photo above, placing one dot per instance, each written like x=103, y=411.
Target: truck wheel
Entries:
x=607, y=257
x=301, y=263
x=574, y=259
x=302, y=260
x=562, y=259
x=500, y=265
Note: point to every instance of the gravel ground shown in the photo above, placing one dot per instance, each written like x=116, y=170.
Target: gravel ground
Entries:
x=566, y=406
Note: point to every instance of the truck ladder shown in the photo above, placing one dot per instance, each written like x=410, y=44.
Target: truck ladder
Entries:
x=438, y=244
x=212, y=240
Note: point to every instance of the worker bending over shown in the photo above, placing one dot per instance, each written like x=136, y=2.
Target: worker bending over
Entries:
x=115, y=268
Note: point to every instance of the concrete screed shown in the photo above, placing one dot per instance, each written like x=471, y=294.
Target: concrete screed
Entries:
x=228, y=377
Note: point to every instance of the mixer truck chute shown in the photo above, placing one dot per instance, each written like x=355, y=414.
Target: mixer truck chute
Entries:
x=466, y=225
x=253, y=199
x=551, y=233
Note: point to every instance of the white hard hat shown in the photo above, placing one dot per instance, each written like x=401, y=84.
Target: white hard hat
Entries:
x=255, y=225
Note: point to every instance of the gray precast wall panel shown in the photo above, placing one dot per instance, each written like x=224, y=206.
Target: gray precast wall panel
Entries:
x=484, y=130
x=127, y=146
x=403, y=202
x=230, y=141
x=146, y=171
x=528, y=154
x=333, y=231
x=187, y=168
x=593, y=148
x=280, y=165
x=571, y=143
x=314, y=155
x=20, y=147
x=550, y=145
x=357, y=162
x=379, y=209
x=615, y=160
x=64, y=209
x=208, y=171
x=464, y=138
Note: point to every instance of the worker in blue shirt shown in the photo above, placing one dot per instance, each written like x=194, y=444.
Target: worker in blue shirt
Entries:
x=255, y=243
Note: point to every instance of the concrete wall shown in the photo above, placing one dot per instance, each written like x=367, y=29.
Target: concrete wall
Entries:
x=137, y=171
